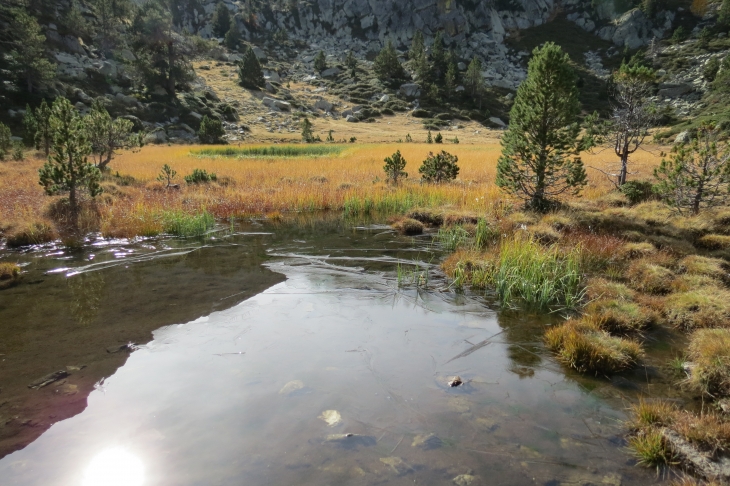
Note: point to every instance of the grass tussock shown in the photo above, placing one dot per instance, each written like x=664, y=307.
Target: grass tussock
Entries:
x=601, y=288
x=33, y=233
x=408, y=226
x=699, y=308
x=527, y=272
x=619, y=316
x=9, y=275
x=273, y=151
x=652, y=413
x=638, y=250
x=581, y=345
x=699, y=265
x=709, y=431
x=649, y=277
x=714, y=242
x=709, y=353
x=650, y=449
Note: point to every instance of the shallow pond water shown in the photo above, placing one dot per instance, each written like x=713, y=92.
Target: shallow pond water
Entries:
x=289, y=355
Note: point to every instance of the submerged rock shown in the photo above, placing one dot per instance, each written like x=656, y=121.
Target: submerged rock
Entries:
x=465, y=480
x=48, y=379
x=332, y=417
x=291, y=387
x=455, y=381
x=427, y=442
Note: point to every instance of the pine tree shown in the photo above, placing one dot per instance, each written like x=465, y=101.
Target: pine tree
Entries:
x=233, y=36
x=27, y=56
x=6, y=141
x=439, y=58
x=110, y=14
x=250, y=73
x=723, y=14
x=167, y=175
x=221, y=20
x=351, y=63
x=419, y=59
x=429, y=138
x=30, y=126
x=697, y=175
x=474, y=80
x=439, y=168
x=418, y=47
x=67, y=169
x=43, y=133
x=540, y=148
x=320, y=62
x=451, y=78
x=387, y=66
x=307, y=134
x=106, y=136
x=211, y=131
x=394, y=166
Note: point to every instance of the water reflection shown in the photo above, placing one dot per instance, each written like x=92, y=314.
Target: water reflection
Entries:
x=114, y=467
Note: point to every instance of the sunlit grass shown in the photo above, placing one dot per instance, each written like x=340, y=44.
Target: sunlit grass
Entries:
x=271, y=151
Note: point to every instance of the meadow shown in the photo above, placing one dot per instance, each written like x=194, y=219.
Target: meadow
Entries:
x=271, y=181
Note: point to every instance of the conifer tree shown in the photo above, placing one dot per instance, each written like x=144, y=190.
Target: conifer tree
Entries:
x=320, y=62
x=221, y=20
x=439, y=58
x=250, y=73
x=307, y=134
x=438, y=168
x=67, y=169
x=106, y=136
x=43, y=132
x=451, y=78
x=540, y=148
x=351, y=63
x=6, y=141
x=30, y=126
x=233, y=36
x=723, y=14
x=697, y=175
x=474, y=80
x=419, y=59
x=394, y=166
x=211, y=131
x=27, y=56
x=387, y=66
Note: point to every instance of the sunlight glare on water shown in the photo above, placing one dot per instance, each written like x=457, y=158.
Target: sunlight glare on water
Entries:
x=114, y=467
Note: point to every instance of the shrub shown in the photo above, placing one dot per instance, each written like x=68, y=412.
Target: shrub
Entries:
x=586, y=349
x=438, y=138
x=679, y=34
x=638, y=191
x=211, y=131
x=200, y=176
x=709, y=351
x=408, y=226
x=438, y=168
x=250, y=74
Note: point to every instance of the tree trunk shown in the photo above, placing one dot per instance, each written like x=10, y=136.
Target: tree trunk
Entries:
x=624, y=168
x=698, y=198
x=29, y=80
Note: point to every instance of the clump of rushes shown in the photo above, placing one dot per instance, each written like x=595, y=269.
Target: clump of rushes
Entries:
x=699, y=308
x=709, y=352
x=408, y=226
x=654, y=413
x=620, y=316
x=536, y=276
x=650, y=448
x=179, y=223
x=453, y=237
x=468, y=266
x=35, y=233
x=581, y=345
x=649, y=277
x=9, y=275
x=714, y=242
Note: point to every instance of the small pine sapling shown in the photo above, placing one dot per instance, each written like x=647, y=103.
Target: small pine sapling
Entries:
x=394, y=166
x=167, y=175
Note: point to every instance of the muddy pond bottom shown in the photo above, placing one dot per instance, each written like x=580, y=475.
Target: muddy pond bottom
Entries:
x=336, y=376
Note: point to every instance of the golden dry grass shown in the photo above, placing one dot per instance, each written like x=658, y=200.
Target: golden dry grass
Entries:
x=351, y=180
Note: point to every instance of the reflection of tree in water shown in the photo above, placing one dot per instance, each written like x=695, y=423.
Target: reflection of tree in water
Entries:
x=523, y=333
x=87, y=293
x=217, y=260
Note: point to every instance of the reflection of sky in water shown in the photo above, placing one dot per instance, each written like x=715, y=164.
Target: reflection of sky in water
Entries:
x=238, y=398
x=114, y=467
